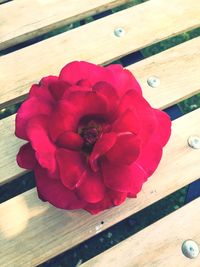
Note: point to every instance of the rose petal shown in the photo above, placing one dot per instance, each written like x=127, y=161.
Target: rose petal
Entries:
x=123, y=178
x=95, y=208
x=41, y=92
x=125, y=150
x=91, y=188
x=63, y=118
x=116, y=197
x=150, y=156
x=26, y=157
x=72, y=167
x=101, y=147
x=108, y=91
x=127, y=122
x=55, y=192
x=163, y=129
x=142, y=110
x=88, y=103
x=30, y=108
x=123, y=80
x=58, y=88
x=81, y=70
x=70, y=140
x=38, y=137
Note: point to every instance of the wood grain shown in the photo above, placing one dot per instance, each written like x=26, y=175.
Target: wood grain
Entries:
x=33, y=231
x=22, y=20
x=173, y=88
x=158, y=245
x=98, y=43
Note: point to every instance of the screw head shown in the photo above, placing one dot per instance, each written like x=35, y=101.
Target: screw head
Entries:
x=194, y=141
x=119, y=32
x=190, y=249
x=153, y=81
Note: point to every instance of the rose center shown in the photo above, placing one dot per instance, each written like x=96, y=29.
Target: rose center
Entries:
x=90, y=135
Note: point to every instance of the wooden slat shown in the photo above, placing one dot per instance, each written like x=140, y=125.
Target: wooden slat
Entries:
x=162, y=20
x=173, y=87
x=33, y=231
x=158, y=245
x=25, y=19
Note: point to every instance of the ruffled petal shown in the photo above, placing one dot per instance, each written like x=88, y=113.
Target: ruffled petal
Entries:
x=163, y=129
x=88, y=103
x=123, y=178
x=123, y=80
x=58, y=88
x=71, y=166
x=101, y=147
x=26, y=157
x=70, y=140
x=81, y=70
x=109, y=92
x=125, y=150
x=55, y=192
x=116, y=197
x=63, y=118
x=39, y=139
x=127, y=122
x=95, y=208
x=91, y=188
x=142, y=110
x=150, y=156
x=30, y=108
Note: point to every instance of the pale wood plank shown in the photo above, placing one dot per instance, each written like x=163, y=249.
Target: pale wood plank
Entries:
x=173, y=87
x=33, y=231
x=158, y=245
x=98, y=43
x=22, y=20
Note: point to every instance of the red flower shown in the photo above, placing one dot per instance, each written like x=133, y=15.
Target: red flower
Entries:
x=93, y=140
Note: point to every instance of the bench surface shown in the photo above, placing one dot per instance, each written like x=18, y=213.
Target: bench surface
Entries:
x=31, y=231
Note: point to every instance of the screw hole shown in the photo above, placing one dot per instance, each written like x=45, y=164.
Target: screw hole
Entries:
x=102, y=222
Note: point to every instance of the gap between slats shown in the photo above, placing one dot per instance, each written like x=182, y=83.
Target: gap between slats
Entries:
x=163, y=245
x=56, y=230
x=26, y=19
x=98, y=43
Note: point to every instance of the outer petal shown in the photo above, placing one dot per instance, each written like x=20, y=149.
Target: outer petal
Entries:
x=95, y=208
x=91, y=188
x=150, y=156
x=70, y=140
x=58, y=88
x=127, y=122
x=142, y=110
x=123, y=178
x=38, y=137
x=101, y=147
x=30, y=108
x=81, y=70
x=163, y=129
x=55, y=192
x=123, y=80
x=125, y=150
x=116, y=197
x=26, y=157
x=72, y=167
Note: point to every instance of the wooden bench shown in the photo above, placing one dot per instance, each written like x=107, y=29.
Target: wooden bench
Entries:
x=32, y=232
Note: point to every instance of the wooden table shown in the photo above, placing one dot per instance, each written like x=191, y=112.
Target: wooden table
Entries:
x=32, y=231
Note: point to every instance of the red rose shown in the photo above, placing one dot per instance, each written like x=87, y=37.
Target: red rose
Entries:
x=93, y=140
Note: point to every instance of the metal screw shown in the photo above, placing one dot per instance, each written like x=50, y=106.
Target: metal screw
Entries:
x=153, y=81
x=190, y=249
x=119, y=32
x=194, y=141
